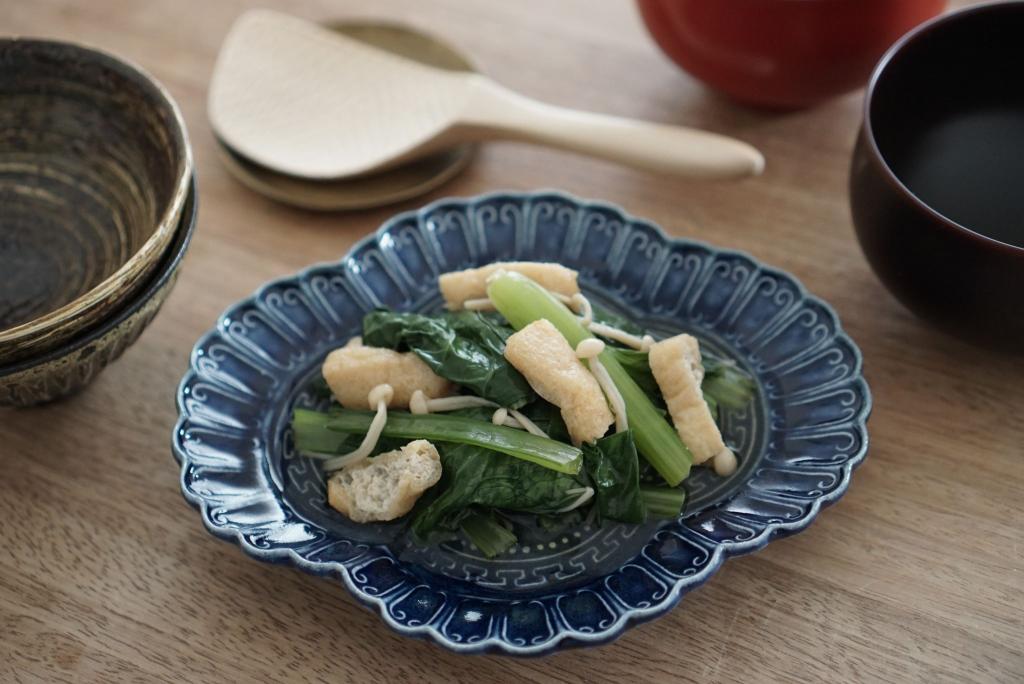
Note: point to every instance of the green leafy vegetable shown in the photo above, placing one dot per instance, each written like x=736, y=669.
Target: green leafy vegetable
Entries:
x=319, y=389
x=466, y=347
x=634, y=362
x=487, y=533
x=712, y=406
x=471, y=476
x=613, y=468
x=523, y=301
x=727, y=384
x=662, y=502
x=438, y=427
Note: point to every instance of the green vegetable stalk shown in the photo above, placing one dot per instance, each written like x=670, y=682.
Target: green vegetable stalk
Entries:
x=635, y=363
x=662, y=502
x=489, y=535
x=522, y=301
x=311, y=434
x=436, y=427
x=727, y=384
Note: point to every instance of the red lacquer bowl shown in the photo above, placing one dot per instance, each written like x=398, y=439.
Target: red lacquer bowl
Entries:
x=781, y=53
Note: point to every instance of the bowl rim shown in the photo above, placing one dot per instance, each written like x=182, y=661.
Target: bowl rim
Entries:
x=915, y=34
x=134, y=270
x=167, y=267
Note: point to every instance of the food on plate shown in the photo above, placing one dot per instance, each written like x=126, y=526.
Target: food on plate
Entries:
x=352, y=371
x=523, y=398
x=470, y=285
x=385, y=487
x=550, y=365
x=676, y=366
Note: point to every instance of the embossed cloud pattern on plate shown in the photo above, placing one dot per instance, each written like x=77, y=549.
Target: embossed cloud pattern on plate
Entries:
x=798, y=441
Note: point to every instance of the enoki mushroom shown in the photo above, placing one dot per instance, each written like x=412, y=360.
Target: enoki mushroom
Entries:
x=585, y=495
x=379, y=396
x=590, y=350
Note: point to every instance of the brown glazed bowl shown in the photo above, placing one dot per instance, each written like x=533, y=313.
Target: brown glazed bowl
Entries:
x=952, y=274
x=70, y=367
x=94, y=170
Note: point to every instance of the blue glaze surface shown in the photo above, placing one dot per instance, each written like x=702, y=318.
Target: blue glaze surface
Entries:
x=798, y=442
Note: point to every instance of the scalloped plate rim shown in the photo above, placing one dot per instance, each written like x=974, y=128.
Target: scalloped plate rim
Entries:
x=566, y=637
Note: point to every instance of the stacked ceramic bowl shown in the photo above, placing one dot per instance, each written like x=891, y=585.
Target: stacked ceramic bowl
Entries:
x=98, y=205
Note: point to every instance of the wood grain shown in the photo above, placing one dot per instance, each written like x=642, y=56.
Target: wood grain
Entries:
x=916, y=575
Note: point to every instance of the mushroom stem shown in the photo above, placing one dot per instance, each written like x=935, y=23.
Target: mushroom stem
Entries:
x=527, y=424
x=586, y=311
x=590, y=350
x=455, y=403
x=379, y=396
x=724, y=462
x=622, y=336
x=482, y=304
x=585, y=495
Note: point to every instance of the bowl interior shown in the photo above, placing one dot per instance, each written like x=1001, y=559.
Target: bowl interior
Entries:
x=164, y=270
x=90, y=157
x=947, y=114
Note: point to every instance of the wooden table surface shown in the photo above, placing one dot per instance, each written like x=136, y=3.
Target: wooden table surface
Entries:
x=917, y=574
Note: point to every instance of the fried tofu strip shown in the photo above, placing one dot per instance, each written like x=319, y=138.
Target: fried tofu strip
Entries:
x=459, y=286
x=387, y=486
x=353, y=370
x=677, y=368
x=550, y=365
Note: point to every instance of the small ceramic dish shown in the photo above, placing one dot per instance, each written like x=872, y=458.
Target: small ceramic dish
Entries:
x=798, y=442
x=94, y=170
x=77, y=362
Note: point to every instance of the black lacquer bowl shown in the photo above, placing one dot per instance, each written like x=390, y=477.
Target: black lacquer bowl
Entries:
x=937, y=179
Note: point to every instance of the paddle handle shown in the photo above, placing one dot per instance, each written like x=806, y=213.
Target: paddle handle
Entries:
x=496, y=112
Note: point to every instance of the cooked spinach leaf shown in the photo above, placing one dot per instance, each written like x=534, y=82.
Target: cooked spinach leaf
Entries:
x=318, y=389
x=466, y=347
x=726, y=384
x=472, y=476
x=612, y=465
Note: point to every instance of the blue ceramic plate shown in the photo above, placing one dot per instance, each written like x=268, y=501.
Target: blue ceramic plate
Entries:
x=798, y=441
